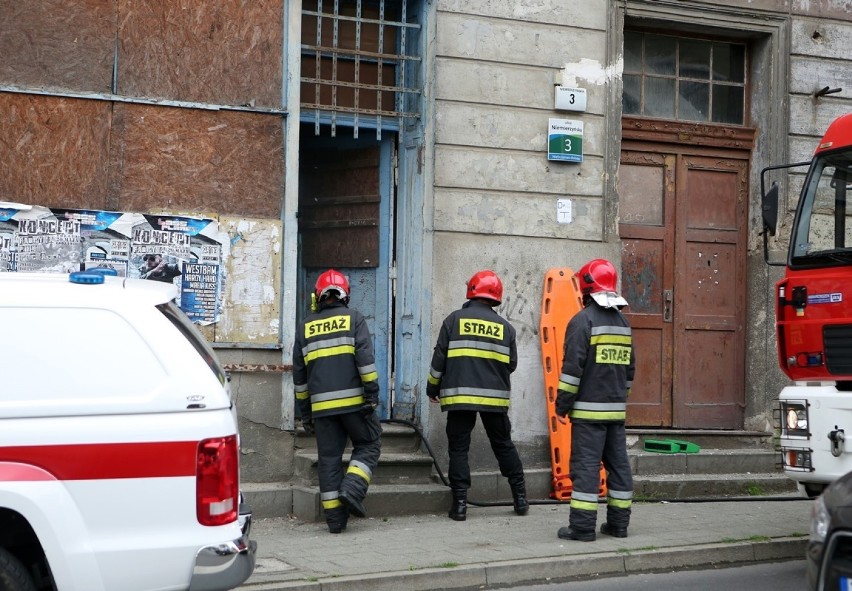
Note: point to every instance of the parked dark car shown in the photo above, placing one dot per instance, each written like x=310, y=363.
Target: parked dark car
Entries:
x=829, y=554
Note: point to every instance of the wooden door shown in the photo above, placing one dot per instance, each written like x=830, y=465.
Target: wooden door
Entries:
x=683, y=222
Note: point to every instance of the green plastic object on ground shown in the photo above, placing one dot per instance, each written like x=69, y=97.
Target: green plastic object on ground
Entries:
x=671, y=446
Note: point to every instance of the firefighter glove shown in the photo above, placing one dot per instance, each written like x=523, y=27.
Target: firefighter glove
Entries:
x=433, y=391
x=371, y=401
x=564, y=404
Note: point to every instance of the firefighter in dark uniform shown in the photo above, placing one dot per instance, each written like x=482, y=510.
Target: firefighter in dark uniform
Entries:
x=469, y=374
x=337, y=388
x=597, y=374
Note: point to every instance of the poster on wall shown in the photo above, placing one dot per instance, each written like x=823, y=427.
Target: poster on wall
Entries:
x=8, y=235
x=185, y=251
x=33, y=239
x=104, y=237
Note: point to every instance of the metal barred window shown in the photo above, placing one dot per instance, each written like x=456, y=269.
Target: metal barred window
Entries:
x=360, y=64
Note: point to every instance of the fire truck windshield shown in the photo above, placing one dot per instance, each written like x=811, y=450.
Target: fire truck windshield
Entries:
x=822, y=232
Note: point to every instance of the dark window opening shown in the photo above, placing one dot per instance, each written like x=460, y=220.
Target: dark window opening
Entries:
x=685, y=79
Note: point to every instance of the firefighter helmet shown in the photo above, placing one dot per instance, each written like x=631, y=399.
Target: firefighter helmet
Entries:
x=486, y=285
x=596, y=276
x=332, y=281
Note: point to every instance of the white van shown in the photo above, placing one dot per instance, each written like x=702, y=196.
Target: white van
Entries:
x=119, y=459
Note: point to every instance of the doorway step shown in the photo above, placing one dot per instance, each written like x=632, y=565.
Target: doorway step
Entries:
x=727, y=464
x=403, y=483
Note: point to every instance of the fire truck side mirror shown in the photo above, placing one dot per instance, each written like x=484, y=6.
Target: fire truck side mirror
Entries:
x=770, y=210
x=769, y=207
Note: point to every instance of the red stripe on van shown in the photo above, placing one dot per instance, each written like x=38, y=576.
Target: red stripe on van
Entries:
x=97, y=461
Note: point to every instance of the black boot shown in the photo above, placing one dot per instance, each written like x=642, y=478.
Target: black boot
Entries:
x=519, y=498
x=336, y=519
x=355, y=506
x=458, y=510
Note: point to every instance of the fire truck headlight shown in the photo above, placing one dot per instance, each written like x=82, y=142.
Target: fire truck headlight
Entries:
x=797, y=419
x=820, y=520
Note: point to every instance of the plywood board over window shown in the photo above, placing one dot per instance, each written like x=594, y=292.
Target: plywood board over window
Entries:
x=60, y=44
x=54, y=151
x=216, y=52
x=195, y=160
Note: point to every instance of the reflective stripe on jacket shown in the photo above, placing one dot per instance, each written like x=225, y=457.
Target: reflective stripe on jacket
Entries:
x=473, y=358
x=598, y=365
x=334, y=369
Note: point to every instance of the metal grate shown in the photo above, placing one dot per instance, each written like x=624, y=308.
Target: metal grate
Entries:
x=358, y=59
x=838, y=348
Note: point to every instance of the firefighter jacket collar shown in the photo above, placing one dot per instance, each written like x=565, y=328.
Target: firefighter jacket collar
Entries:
x=609, y=299
x=479, y=302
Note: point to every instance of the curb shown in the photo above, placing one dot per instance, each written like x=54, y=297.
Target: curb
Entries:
x=554, y=569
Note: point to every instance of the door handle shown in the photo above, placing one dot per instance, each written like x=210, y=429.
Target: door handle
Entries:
x=668, y=298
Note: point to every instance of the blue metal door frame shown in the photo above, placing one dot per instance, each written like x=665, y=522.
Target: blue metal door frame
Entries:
x=371, y=288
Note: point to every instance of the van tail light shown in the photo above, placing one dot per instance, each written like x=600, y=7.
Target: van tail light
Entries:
x=217, y=481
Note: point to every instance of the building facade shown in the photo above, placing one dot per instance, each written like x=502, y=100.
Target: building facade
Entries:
x=411, y=143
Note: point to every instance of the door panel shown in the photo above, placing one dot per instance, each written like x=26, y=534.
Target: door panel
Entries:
x=645, y=205
x=682, y=226
x=650, y=398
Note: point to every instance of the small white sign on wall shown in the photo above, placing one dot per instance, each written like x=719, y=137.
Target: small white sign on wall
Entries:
x=570, y=99
x=563, y=211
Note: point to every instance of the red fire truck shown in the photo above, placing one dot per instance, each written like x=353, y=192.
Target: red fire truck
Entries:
x=813, y=314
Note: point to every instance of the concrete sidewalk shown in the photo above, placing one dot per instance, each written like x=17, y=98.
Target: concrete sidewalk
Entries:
x=494, y=547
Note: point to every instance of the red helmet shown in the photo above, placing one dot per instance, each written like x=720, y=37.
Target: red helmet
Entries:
x=486, y=285
x=330, y=281
x=596, y=276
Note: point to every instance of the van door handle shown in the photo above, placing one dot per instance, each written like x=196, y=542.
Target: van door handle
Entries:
x=668, y=298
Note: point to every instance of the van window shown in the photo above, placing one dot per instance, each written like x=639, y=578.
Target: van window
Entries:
x=192, y=334
x=73, y=354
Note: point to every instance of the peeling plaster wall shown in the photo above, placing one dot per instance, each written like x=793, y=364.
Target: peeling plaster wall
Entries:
x=495, y=192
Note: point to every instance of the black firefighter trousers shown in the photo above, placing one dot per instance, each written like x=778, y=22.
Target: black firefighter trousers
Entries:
x=591, y=444
x=332, y=433
x=460, y=424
